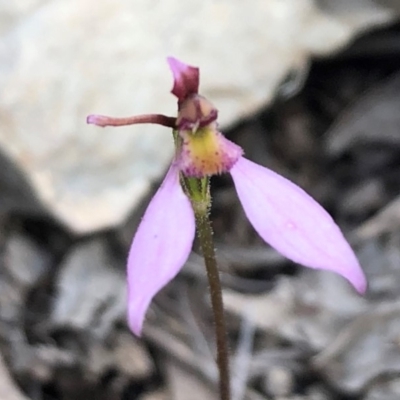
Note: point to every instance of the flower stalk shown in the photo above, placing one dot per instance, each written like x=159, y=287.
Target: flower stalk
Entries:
x=204, y=232
x=198, y=191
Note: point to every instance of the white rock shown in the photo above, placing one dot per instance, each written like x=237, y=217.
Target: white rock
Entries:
x=61, y=60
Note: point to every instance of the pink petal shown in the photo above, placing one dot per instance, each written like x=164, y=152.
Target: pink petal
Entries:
x=293, y=223
x=160, y=247
x=186, y=79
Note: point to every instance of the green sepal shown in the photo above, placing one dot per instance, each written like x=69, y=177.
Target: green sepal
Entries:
x=198, y=192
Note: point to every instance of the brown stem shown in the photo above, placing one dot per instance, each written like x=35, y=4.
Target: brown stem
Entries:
x=205, y=234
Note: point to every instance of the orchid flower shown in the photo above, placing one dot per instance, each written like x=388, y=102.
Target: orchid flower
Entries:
x=283, y=214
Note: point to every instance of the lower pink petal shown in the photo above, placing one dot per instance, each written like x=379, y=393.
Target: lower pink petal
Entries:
x=160, y=247
x=287, y=218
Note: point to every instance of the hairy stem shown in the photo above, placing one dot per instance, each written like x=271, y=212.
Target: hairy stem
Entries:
x=205, y=235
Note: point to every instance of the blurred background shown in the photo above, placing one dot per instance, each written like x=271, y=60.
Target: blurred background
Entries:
x=310, y=89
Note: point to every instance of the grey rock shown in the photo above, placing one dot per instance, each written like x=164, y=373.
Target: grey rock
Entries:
x=17, y=194
x=25, y=263
x=384, y=389
x=279, y=382
x=60, y=61
x=387, y=220
x=184, y=385
x=373, y=119
x=8, y=388
x=91, y=290
x=124, y=353
x=317, y=392
x=363, y=198
x=381, y=263
x=311, y=309
x=156, y=395
x=365, y=350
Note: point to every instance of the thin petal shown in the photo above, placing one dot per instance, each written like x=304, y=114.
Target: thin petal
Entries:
x=293, y=223
x=159, y=119
x=186, y=78
x=160, y=247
